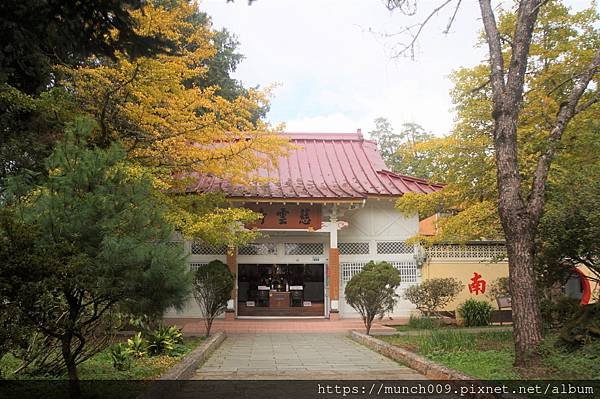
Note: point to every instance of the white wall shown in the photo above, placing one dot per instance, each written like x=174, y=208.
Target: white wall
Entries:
x=378, y=221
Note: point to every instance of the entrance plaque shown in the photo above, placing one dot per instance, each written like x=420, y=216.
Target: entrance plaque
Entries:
x=279, y=216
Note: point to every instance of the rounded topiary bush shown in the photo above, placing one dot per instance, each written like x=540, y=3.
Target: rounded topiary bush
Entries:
x=476, y=313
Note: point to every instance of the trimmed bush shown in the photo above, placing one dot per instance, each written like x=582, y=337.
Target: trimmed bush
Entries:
x=372, y=291
x=433, y=294
x=476, y=313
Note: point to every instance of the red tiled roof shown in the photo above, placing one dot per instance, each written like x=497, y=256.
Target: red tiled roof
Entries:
x=326, y=166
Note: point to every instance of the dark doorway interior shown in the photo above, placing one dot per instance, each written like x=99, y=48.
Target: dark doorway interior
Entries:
x=281, y=290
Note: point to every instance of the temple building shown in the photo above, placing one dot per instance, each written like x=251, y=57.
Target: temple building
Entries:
x=327, y=211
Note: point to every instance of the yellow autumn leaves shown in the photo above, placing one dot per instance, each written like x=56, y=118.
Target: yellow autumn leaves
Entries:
x=165, y=120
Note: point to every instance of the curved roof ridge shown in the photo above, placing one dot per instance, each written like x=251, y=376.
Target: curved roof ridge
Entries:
x=325, y=166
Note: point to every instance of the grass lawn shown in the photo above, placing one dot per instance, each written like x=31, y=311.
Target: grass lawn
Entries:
x=490, y=355
x=100, y=366
x=406, y=327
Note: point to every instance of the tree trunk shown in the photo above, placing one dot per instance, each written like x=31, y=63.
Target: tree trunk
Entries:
x=208, y=322
x=74, y=388
x=525, y=305
x=519, y=231
x=368, y=322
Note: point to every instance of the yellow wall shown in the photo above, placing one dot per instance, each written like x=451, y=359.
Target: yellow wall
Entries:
x=463, y=271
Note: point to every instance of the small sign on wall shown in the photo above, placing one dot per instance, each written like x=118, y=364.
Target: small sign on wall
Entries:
x=250, y=304
x=307, y=303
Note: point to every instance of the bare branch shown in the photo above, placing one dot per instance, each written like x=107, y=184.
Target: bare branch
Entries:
x=406, y=7
x=451, y=21
x=411, y=45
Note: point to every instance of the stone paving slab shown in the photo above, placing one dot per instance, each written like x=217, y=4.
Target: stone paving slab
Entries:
x=298, y=356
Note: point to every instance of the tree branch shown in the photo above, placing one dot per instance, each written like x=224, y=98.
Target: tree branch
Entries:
x=451, y=21
x=410, y=46
x=495, y=48
x=567, y=111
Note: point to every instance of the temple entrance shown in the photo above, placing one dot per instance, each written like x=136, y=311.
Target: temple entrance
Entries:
x=281, y=290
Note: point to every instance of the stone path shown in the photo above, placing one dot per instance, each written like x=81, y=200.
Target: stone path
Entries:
x=299, y=356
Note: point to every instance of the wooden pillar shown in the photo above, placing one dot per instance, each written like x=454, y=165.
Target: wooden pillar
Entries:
x=334, y=268
x=232, y=264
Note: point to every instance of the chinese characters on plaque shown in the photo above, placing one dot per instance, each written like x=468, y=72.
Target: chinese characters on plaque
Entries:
x=280, y=216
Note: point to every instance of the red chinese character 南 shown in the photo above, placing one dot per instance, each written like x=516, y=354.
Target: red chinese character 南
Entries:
x=478, y=284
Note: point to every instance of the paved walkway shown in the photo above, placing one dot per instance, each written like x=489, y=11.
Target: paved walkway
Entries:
x=195, y=326
x=298, y=356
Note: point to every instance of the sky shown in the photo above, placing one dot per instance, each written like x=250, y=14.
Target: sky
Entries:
x=335, y=70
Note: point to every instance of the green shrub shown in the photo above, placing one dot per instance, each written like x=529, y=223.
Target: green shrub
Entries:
x=558, y=311
x=164, y=339
x=372, y=291
x=422, y=323
x=121, y=356
x=213, y=284
x=476, y=313
x=137, y=345
x=583, y=328
x=433, y=294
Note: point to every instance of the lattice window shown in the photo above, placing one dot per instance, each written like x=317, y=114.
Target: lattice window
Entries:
x=472, y=251
x=199, y=248
x=408, y=270
x=258, y=249
x=394, y=247
x=304, y=248
x=349, y=269
x=194, y=266
x=354, y=248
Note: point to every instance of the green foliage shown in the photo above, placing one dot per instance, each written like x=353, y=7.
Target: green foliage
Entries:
x=563, y=42
x=164, y=340
x=37, y=35
x=137, y=345
x=402, y=150
x=498, y=288
x=121, y=356
x=212, y=289
x=100, y=230
x=476, y=313
x=372, y=291
x=583, y=328
x=490, y=355
x=569, y=232
x=422, y=323
x=558, y=310
x=433, y=294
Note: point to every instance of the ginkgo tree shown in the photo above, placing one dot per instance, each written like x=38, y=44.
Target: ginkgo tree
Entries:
x=170, y=123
